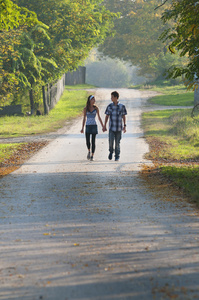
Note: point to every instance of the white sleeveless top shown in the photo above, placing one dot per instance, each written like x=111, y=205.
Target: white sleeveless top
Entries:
x=90, y=120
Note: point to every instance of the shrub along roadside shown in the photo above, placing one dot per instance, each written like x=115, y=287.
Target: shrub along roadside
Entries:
x=173, y=138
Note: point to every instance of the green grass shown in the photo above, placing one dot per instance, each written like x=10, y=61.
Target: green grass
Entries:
x=169, y=90
x=177, y=135
x=177, y=129
x=186, y=177
x=185, y=99
x=174, y=137
x=7, y=150
x=172, y=95
x=69, y=106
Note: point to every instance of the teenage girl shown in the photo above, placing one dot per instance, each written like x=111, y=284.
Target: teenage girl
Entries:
x=90, y=112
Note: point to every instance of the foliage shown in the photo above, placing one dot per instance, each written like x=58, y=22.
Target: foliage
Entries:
x=43, y=51
x=137, y=33
x=161, y=62
x=23, y=64
x=183, y=37
x=75, y=27
x=12, y=16
x=8, y=79
x=13, y=21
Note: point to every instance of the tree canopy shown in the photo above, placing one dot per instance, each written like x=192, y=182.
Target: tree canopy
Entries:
x=137, y=32
x=12, y=15
x=43, y=40
x=14, y=20
x=75, y=27
x=183, y=37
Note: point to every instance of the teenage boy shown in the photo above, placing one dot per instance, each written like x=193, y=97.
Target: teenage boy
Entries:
x=116, y=113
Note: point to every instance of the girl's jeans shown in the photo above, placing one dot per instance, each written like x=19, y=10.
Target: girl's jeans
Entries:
x=115, y=136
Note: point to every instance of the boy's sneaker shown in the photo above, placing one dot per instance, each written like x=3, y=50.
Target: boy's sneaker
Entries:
x=110, y=156
x=117, y=158
x=88, y=155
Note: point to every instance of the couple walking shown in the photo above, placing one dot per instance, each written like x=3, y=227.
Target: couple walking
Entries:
x=115, y=113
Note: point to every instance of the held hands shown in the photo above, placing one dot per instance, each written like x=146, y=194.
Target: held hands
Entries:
x=104, y=128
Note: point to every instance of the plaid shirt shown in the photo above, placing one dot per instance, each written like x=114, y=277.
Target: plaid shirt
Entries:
x=116, y=112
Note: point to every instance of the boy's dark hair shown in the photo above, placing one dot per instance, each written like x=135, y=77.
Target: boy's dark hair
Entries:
x=115, y=94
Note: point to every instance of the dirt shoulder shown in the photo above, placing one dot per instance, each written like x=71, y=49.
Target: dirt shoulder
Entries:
x=23, y=153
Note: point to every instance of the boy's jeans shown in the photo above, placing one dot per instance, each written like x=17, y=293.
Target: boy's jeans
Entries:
x=115, y=136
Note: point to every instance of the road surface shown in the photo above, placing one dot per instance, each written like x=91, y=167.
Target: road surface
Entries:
x=73, y=229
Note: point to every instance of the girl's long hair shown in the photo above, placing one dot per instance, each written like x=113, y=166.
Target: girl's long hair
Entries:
x=88, y=104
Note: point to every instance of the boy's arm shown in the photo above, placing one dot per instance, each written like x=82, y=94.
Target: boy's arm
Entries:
x=105, y=122
x=124, y=123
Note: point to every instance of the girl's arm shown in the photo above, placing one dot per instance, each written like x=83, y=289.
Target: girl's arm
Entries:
x=84, y=120
x=98, y=114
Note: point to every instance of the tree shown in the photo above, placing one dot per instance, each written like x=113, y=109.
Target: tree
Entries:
x=137, y=33
x=183, y=37
x=32, y=66
x=12, y=16
x=13, y=20
x=162, y=62
x=74, y=28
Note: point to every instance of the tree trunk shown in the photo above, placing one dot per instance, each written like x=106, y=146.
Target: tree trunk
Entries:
x=31, y=101
x=45, y=103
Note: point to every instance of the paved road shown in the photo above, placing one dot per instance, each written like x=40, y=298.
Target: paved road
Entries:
x=74, y=229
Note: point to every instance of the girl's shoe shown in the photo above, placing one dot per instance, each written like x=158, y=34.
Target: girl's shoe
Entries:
x=91, y=157
x=88, y=155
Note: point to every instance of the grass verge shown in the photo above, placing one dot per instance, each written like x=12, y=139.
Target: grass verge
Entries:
x=171, y=95
x=173, y=138
x=13, y=155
